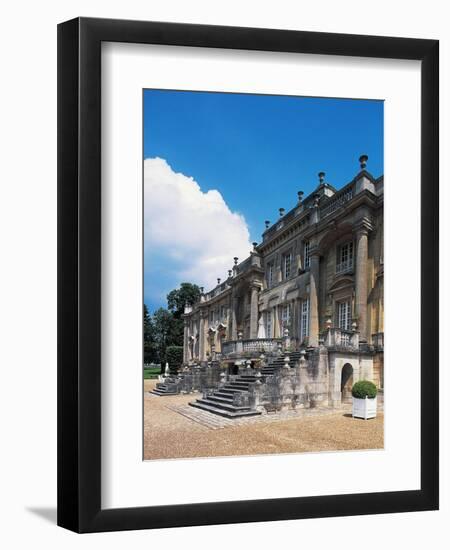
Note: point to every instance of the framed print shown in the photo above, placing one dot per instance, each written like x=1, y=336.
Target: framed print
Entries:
x=247, y=325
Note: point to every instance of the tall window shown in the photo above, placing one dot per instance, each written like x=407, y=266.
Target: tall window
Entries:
x=345, y=257
x=286, y=315
x=344, y=315
x=306, y=258
x=304, y=319
x=269, y=326
x=287, y=262
x=270, y=267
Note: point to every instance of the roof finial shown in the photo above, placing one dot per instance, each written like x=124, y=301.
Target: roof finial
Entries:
x=321, y=177
x=267, y=224
x=300, y=196
x=235, y=260
x=255, y=244
x=363, y=161
x=218, y=280
x=281, y=210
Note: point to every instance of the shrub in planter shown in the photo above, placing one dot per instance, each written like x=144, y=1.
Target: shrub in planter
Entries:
x=363, y=389
x=364, y=395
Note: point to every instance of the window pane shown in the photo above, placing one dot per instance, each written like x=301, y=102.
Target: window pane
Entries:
x=344, y=315
x=306, y=255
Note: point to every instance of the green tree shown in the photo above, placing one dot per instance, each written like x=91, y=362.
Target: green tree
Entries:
x=150, y=349
x=174, y=356
x=166, y=327
x=188, y=293
x=163, y=331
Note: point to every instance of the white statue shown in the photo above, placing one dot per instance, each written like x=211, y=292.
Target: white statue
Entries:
x=261, y=328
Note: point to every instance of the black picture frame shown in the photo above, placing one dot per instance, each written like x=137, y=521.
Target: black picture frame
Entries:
x=79, y=274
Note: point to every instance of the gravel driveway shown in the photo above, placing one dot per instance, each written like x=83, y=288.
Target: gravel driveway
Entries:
x=168, y=433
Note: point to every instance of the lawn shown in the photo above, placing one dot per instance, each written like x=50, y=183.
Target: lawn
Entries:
x=152, y=373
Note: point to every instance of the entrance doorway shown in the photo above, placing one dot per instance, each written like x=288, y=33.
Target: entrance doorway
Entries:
x=346, y=383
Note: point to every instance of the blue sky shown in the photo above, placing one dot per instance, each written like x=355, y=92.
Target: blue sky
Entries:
x=257, y=151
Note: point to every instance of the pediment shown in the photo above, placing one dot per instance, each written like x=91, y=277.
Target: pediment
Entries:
x=341, y=282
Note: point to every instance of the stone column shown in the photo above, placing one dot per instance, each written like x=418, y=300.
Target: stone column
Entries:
x=254, y=312
x=275, y=322
x=313, y=298
x=234, y=303
x=362, y=233
x=201, y=341
x=186, y=342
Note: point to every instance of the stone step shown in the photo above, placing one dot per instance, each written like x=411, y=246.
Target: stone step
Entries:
x=229, y=392
x=161, y=392
x=236, y=386
x=223, y=406
x=220, y=398
x=222, y=412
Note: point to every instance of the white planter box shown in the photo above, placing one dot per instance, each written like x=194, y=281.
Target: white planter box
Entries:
x=364, y=408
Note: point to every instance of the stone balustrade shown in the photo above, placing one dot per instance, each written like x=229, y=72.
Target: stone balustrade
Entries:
x=250, y=347
x=344, y=267
x=339, y=338
x=337, y=200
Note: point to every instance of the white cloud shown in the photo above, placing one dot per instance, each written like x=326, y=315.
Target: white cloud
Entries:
x=189, y=235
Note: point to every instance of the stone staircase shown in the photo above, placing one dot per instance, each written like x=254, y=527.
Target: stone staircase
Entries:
x=231, y=400
x=165, y=388
x=278, y=362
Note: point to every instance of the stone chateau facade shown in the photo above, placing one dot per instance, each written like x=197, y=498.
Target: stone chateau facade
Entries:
x=309, y=297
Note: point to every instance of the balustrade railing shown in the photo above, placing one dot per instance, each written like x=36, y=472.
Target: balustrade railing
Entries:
x=336, y=201
x=344, y=267
x=259, y=345
x=340, y=338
